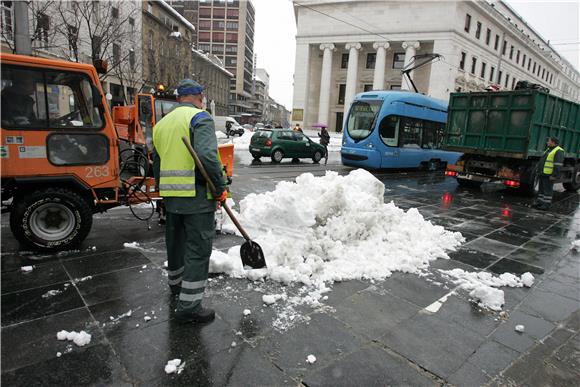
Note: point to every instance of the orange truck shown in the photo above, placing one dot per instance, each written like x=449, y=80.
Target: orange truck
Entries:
x=59, y=152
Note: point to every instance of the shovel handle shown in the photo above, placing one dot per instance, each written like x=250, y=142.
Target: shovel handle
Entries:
x=201, y=168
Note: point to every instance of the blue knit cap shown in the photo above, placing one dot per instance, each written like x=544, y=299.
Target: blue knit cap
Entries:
x=189, y=87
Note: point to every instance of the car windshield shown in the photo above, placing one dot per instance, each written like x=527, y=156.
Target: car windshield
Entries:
x=263, y=133
x=362, y=118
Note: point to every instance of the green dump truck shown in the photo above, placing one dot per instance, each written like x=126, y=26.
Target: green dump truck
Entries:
x=502, y=136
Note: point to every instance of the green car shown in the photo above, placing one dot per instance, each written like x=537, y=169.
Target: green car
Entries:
x=284, y=143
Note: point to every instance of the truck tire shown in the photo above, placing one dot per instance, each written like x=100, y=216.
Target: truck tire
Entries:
x=530, y=183
x=468, y=183
x=51, y=219
x=573, y=185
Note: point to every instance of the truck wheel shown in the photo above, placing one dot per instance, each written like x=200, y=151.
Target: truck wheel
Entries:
x=51, y=219
x=530, y=184
x=468, y=183
x=573, y=185
x=277, y=156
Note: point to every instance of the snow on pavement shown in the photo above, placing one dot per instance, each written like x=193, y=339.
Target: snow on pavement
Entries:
x=81, y=338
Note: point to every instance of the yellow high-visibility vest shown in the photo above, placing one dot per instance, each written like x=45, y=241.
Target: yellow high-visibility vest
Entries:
x=549, y=164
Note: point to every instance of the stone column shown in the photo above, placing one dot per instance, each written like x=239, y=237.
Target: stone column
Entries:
x=325, y=79
x=410, y=50
x=351, y=75
x=379, y=78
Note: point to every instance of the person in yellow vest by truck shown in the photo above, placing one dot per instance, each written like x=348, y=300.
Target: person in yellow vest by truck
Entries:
x=190, y=207
x=550, y=165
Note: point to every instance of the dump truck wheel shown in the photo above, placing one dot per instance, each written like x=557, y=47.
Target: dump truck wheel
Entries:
x=573, y=185
x=51, y=219
x=530, y=184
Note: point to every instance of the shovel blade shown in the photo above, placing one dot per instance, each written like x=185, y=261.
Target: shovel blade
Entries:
x=252, y=255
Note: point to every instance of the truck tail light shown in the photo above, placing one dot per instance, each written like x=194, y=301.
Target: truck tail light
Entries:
x=512, y=183
x=450, y=173
x=268, y=142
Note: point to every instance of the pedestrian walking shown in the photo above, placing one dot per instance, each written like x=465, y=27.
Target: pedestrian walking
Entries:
x=190, y=207
x=550, y=165
x=324, y=141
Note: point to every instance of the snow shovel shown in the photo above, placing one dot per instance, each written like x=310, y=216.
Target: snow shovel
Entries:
x=251, y=252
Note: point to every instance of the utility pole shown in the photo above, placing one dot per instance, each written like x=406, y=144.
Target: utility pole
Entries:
x=22, y=43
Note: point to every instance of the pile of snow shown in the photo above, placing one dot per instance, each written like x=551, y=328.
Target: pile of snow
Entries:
x=576, y=245
x=247, y=312
x=319, y=230
x=26, y=269
x=482, y=286
x=520, y=328
x=51, y=293
x=270, y=299
x=310, y=359
x=132, y=245
x=242, y=142
x=219, y=134
x=81, y=338
x=174, y=366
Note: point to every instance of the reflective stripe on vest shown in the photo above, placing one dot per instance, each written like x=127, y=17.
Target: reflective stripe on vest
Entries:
x=549, y=164
x=177, y=172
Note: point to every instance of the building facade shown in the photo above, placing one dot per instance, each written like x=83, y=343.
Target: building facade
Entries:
x=209, y=71
x=225, y=28
x=482, y=43
x=84, y=32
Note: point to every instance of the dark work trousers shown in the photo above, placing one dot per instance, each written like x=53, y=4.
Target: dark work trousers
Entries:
x=189, y=240
x=546, y=190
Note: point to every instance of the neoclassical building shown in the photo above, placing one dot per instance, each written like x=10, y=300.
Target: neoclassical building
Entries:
x=344, y=47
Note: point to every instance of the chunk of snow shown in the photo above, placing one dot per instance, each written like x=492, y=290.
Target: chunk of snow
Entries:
x=58, y=354
x=165, y=264
x=233, y=344
x=81, y=338
x=270, y=299
x=172, y=366
x=520, y=328
x=144, y=267
x=311, y=359
x=527, y=279
x=26, y=269
x=62, y=335
x=51, y=293
x=576, y=245
x=247, y=312
x=489, y=297
x=131, y=245
x=147, y=318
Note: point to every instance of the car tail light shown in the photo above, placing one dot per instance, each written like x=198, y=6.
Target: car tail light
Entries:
x=512, y=183
x=268, y=142
x=450, y=173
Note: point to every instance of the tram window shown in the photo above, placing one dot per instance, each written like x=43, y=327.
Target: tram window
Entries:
x=410, y=129
x=389, y=130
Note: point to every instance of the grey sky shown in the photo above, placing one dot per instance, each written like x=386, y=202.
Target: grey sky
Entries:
x=275, y=44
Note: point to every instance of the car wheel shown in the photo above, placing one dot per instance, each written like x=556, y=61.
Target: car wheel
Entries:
x=317, y=156
x=51, y=219
x=277, y=156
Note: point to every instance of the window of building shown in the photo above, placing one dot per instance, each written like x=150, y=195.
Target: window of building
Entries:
x=507, y=78
x=219, y=13
x=72, y=37
x=371, y=58
x=344, y=61
x=231, y=49
x=232, y=25
x=367, y=87
x=398, y=60
x=539, y=70
x=491, y=73
x=116, y=54
x=529, y=63
x=233, y=13
x=341, y=92
x=482, y=74
x=524, y=61
x=504, y=48
x=499, y=74
x=478, y=30
x=115, y=12
x=543, y=72
x=204, y=47
x=487, y=36
x=204, y=24
x=496, y=44
x=513, y=83
x=42, y=28
x=467, y=22
x=132, y=59
x=132, y=24
x=462, y=61
x=217, y=49
x=204, y=12
x=231, y=38
x=534, y=69
x=518, y=57
x=7, y=18
x=151, y=39
x=204, y=36
x=473, y=65
x=511, y=52
x=217, y=36
x=551, y=78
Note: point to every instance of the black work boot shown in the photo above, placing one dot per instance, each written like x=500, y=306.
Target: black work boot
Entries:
x=199, y=315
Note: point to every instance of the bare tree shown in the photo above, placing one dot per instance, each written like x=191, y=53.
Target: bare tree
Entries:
x=39, y=18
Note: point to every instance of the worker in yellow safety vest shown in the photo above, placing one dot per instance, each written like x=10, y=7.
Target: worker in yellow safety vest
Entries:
x=549, y=165
x=190, y=207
